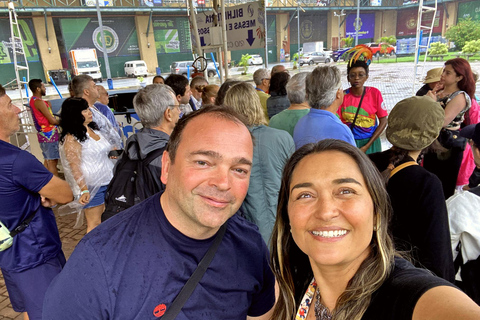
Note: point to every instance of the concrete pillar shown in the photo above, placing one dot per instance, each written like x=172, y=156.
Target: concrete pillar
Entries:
x=385, y=24
x=283, y=39
x=48, y=50
x=452, y=9
x=148, y=53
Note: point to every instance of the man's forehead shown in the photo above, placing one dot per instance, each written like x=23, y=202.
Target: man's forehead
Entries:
x=5, y=100
x=214, y=126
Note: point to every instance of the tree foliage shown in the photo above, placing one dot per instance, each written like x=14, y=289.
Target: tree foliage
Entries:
x=471, y=46
x=465, y=30
x=438, y=48
x=348, y=41
x=390, y=40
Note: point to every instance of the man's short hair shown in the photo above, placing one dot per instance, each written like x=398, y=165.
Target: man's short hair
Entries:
x=220, y=112
x=151, y=102
x=296, y=88
x=198, y=80
x=278, y=66
x=2, y=91
x=80, y=83
x=34, y=84
x=322, y=85
x=158, y=77
x=259, y=75
x=178, y=83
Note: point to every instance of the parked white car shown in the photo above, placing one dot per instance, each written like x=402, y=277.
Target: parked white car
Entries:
x=255, y=59
x=136, y=68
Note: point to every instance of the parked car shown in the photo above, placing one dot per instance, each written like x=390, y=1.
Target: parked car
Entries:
x=135, y=68
x=378, y=50
x=255, y=59
x=181, y=67
x=211, y=70
x=314, y=57
x=339, y=54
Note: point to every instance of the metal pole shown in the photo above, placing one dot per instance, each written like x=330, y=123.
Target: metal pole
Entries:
x=298, y=27
x=104, y=47
x=357, y=27
x=225, y=46
x=266, y=34
x=193, y=20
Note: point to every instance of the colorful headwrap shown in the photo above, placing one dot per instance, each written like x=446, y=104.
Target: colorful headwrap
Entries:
x=361, y=52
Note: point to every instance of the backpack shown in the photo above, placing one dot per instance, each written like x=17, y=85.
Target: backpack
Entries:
x=132, y=182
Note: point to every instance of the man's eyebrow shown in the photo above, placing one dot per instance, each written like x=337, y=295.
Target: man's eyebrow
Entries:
x=216, y=155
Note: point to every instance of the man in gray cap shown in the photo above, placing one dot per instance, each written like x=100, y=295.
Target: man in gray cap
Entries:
x=420, y=219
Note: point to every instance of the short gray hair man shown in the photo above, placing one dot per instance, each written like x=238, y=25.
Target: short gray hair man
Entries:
x=296, y=88
x=151, y=102
x=80, y=83
x=322, y=85
x=260, y=75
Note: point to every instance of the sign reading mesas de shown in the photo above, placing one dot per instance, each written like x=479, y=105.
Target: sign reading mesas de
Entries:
x=245, y=26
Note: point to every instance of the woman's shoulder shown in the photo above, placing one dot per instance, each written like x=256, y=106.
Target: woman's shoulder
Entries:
x=399, y=294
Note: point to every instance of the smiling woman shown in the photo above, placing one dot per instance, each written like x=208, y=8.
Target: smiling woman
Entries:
x=331, y=250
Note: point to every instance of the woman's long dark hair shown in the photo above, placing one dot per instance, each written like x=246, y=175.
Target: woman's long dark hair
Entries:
x=292, y=267
x=278, y=83
x=71, y=119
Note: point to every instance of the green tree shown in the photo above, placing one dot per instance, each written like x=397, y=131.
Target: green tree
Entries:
x=471, y=46
x=348, y=41
x=295, y=60
x=244, y=62
x=438, y=48
x=385, y=41
x=465, y=30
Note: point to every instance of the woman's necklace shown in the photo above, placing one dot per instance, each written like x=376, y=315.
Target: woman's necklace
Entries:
x=321, y=312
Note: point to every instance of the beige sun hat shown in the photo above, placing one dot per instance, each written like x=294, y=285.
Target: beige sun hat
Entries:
x=433, y=75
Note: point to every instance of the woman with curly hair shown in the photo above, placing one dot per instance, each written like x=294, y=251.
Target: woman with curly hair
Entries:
x=331, y=252
x=84, y=154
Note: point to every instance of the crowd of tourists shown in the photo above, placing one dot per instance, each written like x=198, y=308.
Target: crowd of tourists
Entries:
x=266, y=201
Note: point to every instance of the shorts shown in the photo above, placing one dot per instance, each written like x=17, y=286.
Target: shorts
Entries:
x=27, y=289
x=50, y=150
x=98, y=198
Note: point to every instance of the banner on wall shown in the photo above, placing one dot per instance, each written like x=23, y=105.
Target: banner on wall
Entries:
x=313, y=27
x=120, y=35
x=28, y=37
x=407, y=22
x=469, y=10
x=366, y=25
x=172, y=35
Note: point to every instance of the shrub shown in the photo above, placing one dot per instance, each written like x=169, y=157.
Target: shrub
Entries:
x=438, y=48
x=471, y=46
x=465, y=30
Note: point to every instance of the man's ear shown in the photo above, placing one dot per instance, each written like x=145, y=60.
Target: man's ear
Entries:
x=340, y=94
x=179, y=98
x=165, y=167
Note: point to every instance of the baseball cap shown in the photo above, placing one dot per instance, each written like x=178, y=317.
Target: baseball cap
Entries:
x=472, y=132
x=433, y=75
x=414, y=123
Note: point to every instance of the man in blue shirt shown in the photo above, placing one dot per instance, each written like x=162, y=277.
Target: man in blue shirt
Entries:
x=134, y=265
x=324, y=95
x=27, y=189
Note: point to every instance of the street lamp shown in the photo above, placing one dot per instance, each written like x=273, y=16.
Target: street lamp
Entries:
x=342, y=13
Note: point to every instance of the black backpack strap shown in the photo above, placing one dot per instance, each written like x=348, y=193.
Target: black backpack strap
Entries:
x=152, y=155
x=23, y=225
x=197, y=275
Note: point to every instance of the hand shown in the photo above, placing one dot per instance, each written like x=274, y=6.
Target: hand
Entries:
x=84, y=199
x=47, y=203
x=466, y=187
x=432, y=95
x=364, y=149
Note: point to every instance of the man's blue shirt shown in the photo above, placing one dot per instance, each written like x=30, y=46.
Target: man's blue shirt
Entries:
x=320, y=124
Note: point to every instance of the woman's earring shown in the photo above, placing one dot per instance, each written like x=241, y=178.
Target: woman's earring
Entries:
x=374, y=228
